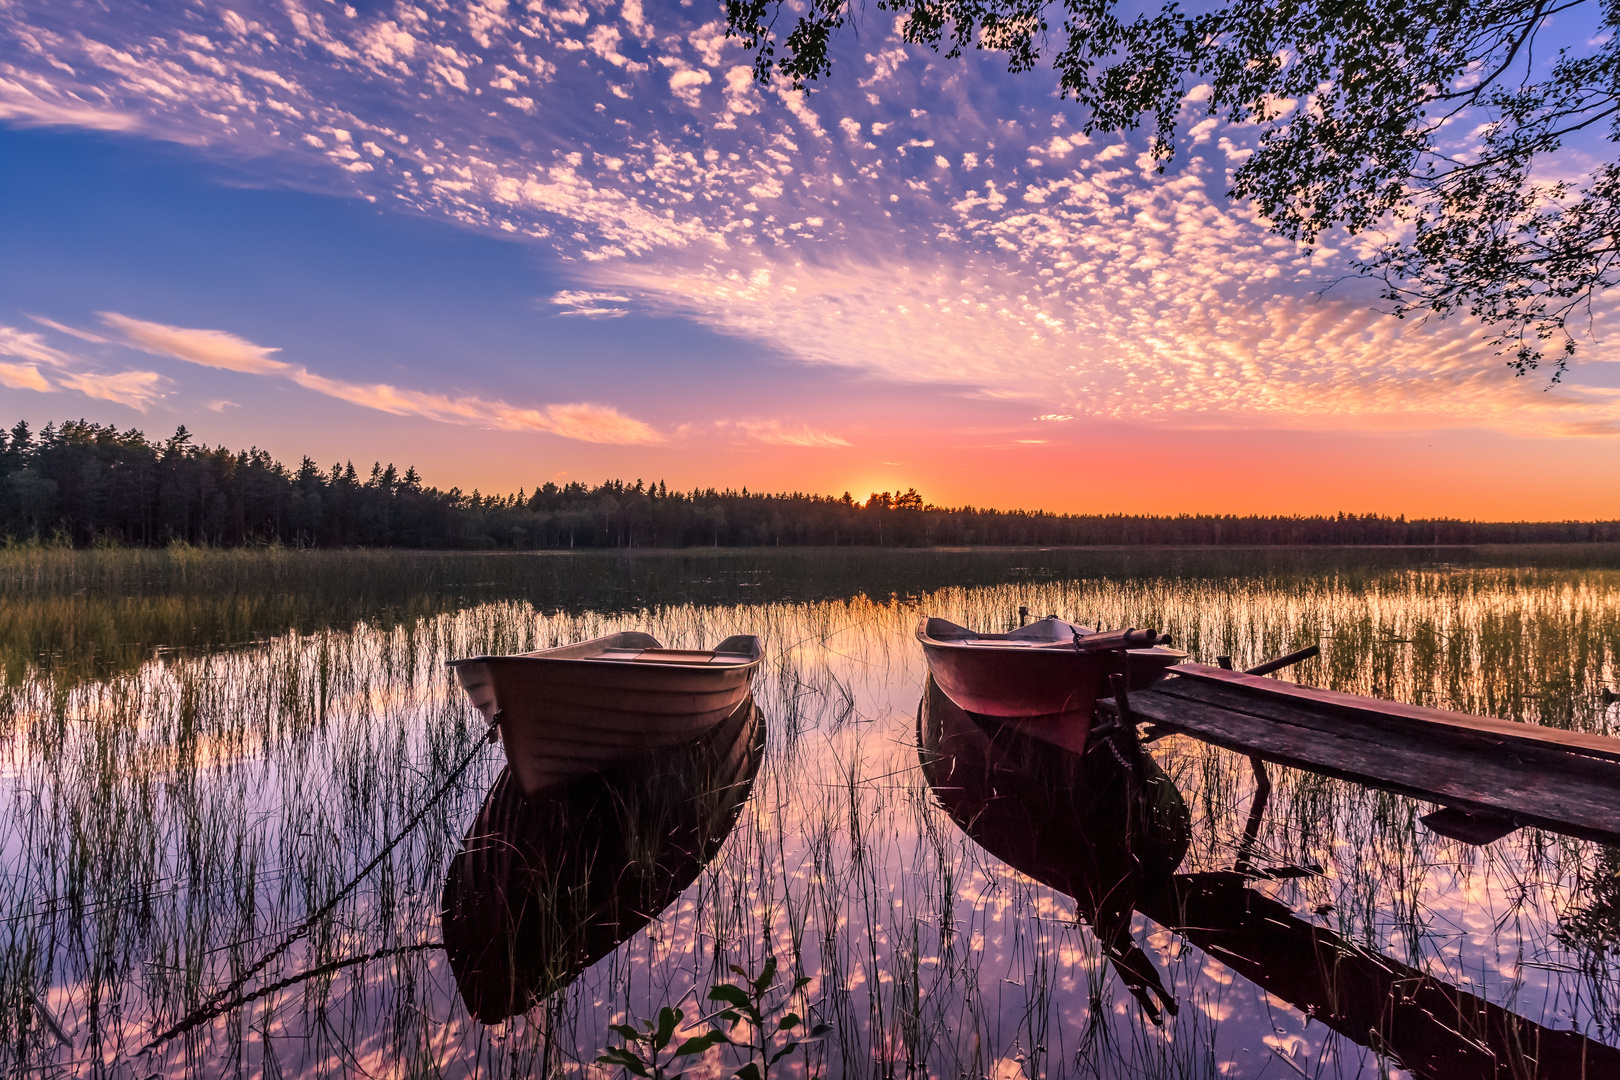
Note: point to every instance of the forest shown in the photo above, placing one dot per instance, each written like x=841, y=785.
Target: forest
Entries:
x=84, y=484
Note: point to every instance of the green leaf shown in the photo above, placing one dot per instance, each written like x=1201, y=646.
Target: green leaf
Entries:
x=800, y=983
x=625, y=1032
x=731, y=995
x=668, y=1020
x=784, y=1052
x=817, y=1033
x=749, y=1071
x=629, y=1062
x=791, y=1020
x=700, y=1043
x=766, y=977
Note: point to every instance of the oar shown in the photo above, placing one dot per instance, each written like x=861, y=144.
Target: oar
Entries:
x=1119, y=639
x=1274, y=665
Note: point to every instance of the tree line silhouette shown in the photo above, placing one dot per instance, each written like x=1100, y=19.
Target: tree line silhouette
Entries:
x=84, y=484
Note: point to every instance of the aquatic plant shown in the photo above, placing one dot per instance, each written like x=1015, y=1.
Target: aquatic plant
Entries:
x=772, y=1030
x=642, y=1053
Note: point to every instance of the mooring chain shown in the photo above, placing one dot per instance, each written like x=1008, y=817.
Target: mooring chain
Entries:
x=211, y=1008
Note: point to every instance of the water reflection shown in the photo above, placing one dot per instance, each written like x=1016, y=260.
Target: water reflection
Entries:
x=543, y=888
x=1109, y=829
x=162, y=829
x=1089, y=825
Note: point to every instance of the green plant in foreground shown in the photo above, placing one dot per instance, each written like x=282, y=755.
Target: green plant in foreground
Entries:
x=747, y=1002
x=770, y=1039
x=652, y=1039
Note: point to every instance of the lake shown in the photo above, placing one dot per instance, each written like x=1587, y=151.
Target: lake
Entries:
x=202, y=750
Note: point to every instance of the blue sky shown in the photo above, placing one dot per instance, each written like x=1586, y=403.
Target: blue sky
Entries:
x=515, y=242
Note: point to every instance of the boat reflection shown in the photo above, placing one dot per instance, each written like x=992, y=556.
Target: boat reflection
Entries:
x=544, y=888
x=1077, y=824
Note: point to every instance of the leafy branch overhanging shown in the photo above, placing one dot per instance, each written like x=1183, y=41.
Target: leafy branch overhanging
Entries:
x=1428, y=128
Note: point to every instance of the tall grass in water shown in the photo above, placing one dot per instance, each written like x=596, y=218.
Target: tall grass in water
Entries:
x=164, y=823
x=104, y=611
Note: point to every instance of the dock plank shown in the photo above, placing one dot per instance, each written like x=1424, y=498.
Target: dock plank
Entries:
x=1397, y=712
x=1480, y=769
x=1398, y=733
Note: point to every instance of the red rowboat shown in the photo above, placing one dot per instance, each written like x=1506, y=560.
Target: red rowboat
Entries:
x=579, y=708
x=1043, y=678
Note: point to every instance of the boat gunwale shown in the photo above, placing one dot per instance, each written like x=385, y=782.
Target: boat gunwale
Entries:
x=979, y=642
x=973, y=638
x=727, y=660
x=742, y=662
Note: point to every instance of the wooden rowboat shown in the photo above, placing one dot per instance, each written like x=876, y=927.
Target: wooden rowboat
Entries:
x=577, y=709
x=1044, y=678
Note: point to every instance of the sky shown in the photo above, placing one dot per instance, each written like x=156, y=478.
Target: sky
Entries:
x=510, y=242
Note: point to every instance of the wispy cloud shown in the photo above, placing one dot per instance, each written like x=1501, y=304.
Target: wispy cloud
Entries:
x=23, y=377
x=220, y=349
x=592, y=305
x=73, y=331
x=785, y=434
x=21, y=104
x=136, y=389
x=30, y=346
x=211, y=348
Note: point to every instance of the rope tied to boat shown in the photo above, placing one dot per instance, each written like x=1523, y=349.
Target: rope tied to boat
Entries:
x=212, y=1008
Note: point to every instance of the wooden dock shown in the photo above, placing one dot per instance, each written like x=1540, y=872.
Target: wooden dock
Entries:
x=1491, y=776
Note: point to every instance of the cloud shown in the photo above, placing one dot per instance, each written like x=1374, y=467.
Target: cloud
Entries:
x=23, y=377
x=1042, y=270
x=597, y=423
x=26, y=346
x=219, y=349
x=592, y=305
x=73, y=331
x=211, y=348
x=781, y=434
x=21, y=105
x=136, y=389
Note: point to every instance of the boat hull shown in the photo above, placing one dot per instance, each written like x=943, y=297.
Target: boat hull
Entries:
x=1048, y=694
x=561, y=717
x=1045, y=689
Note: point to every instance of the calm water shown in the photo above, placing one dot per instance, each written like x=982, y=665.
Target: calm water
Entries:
x=196, y=760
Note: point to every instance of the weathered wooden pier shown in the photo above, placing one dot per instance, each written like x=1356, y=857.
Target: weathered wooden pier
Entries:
x=1489, y=776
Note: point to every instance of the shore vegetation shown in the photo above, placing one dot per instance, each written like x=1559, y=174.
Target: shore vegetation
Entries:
x=83, y=484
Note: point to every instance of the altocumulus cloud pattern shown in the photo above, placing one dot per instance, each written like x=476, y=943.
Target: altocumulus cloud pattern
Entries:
x=924, y=220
